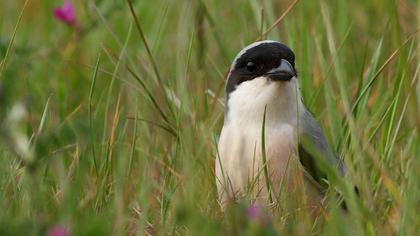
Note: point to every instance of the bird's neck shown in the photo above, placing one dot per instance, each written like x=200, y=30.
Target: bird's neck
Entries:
x=282, y=101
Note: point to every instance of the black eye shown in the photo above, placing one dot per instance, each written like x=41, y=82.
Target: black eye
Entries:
x=251, y=67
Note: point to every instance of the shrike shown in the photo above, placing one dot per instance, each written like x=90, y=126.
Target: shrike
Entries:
x=262, y=96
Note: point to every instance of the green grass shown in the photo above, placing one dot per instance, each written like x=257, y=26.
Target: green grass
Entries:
x=112, y=129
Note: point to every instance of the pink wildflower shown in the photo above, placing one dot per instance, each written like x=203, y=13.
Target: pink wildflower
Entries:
x=255, y=213
x=59, y=230
x=66, y=13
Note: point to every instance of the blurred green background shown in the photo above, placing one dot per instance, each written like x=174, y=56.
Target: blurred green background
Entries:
x=99, y=137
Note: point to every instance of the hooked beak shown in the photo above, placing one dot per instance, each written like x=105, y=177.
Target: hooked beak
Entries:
x=284, y=72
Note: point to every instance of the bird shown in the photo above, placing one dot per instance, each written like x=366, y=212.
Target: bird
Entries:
x=268, y=136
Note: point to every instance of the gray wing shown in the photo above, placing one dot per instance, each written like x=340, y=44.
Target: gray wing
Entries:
x=313, y=145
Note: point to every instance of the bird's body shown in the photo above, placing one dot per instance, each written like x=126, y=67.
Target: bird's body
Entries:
x=251, y=97
x=241, y=138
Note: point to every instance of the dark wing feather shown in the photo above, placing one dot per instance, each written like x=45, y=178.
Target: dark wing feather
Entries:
x=312, y=145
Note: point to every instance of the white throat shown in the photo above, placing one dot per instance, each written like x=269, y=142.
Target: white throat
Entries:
x=246, y=103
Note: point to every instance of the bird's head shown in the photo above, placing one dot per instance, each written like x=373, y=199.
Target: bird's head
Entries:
x=267, y=59
x=262, y=74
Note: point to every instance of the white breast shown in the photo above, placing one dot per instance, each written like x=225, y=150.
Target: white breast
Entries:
x=239, y=162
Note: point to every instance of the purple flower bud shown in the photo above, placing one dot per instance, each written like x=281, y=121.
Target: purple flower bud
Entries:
x=66, y=13
x=254, y=212
x=59, y=230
